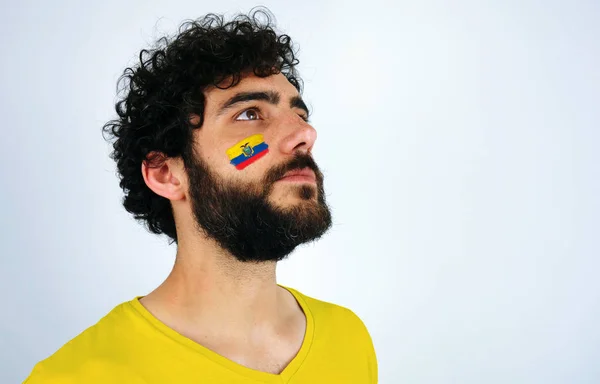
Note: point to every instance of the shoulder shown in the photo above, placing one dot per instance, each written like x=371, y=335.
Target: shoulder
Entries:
x=338, y=327
x=94, y=353
x=327, y=309
x=334, y=316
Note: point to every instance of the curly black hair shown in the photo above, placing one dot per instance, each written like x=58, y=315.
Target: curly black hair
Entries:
x=158, y=95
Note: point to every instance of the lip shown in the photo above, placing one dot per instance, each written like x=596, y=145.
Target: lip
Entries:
x=305, y=175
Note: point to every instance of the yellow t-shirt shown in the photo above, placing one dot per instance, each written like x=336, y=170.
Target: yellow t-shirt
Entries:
x=130, y=345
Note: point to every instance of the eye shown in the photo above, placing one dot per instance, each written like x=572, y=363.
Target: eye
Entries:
x=249, y=114
x=303, y=117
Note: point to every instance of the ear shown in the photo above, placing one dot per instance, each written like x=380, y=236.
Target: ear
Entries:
x=194, y=119
x=165, y=176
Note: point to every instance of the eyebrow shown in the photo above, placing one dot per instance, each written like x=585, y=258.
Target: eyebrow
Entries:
x=271, y=97
x=297, y=102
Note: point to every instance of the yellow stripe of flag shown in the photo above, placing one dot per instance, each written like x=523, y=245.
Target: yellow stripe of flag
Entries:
x=236, y=150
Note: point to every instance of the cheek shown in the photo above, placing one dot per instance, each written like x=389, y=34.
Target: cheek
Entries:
x=248, y=151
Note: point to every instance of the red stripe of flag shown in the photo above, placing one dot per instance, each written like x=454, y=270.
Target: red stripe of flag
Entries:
x=252, y=159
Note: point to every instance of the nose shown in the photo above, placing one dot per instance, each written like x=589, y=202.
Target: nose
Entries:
x=300, y=136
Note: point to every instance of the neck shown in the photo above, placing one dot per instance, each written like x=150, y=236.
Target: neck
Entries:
x=210, y=289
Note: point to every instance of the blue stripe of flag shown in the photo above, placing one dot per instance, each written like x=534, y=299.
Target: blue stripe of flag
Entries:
x=257, y=149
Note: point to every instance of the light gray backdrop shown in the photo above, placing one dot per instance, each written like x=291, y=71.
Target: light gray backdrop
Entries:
x=460, y=146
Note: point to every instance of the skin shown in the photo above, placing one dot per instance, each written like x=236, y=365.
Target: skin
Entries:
x=235, y=309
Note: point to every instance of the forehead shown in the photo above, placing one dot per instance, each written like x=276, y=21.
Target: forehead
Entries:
x=278, y=83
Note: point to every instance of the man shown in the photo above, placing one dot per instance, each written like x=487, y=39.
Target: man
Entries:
x=213, y=147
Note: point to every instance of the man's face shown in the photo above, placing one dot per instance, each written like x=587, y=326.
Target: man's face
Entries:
x=263, y=210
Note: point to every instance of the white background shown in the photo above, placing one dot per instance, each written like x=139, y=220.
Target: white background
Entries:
x=459, y=143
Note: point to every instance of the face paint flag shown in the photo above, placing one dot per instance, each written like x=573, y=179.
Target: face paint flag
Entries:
x=247, y=151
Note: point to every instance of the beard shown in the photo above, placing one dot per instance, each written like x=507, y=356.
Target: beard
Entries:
x=242, y=220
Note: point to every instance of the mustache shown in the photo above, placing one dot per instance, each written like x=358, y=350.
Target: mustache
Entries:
x=299, y=161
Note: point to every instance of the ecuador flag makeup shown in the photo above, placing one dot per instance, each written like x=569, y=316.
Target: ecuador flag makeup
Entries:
x=247, y=151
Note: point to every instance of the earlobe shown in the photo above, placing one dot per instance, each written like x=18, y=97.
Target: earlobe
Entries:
x=162, y=177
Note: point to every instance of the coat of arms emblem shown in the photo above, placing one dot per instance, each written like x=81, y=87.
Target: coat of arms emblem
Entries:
x=247, y=150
